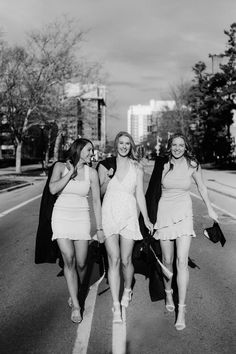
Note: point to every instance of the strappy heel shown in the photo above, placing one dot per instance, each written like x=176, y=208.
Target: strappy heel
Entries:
x=70, y=303
x=116, y=312
x=180, y=324
x=170, y=307
x=126, y=298
x=76, y=315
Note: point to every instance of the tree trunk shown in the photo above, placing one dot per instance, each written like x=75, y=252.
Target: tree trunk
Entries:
x=48, y=148
x=57, y=146
x=18, y=157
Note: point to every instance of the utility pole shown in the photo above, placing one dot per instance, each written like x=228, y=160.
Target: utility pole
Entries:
x=214, y=58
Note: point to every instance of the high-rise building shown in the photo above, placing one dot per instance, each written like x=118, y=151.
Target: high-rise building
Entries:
x=143, y=119
x=138, y=117
x=89, y=117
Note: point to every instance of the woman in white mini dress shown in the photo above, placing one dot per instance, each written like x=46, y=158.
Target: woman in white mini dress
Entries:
x=70, y=217
x=175, y=216
x=120, y=217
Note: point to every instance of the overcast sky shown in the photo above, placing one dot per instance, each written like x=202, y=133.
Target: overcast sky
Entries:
x=145, y=45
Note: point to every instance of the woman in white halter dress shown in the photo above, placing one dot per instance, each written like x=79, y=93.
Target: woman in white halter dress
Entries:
x=175, y=217
x=119, y=207
x=70, y=216
x=122, y=193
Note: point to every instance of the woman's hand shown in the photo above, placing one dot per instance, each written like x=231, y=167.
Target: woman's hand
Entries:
x=100, y=236
x=148, y=225
x=213, y=215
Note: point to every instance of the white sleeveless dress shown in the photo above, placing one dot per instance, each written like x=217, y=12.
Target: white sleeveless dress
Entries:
x=119, y=207
x=70, y=216
x=175, y=214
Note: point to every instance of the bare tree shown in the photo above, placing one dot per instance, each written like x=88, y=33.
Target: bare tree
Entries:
x=32, y=78
x=179, y=93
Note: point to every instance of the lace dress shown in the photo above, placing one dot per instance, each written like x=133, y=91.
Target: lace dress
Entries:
x=70, y=216
x=174, y=214
x=119, y=207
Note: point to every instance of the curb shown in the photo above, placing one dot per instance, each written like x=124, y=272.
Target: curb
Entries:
x=223, y=193
x=9, y=189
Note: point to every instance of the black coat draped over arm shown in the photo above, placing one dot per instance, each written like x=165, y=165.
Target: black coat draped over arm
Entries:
x=143, y=258
x=153, y=194
x=46, y=250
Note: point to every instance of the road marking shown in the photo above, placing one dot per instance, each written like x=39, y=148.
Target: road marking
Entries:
x=84, y=328
x=3, y=213
x=119, y=335
x=216, y=206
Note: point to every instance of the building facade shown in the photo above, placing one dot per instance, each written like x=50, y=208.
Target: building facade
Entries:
x=143, y=119
x=88, y=118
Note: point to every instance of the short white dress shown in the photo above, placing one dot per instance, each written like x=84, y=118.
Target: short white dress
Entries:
x=119, y=207
x=70, y=216
x=175, y=214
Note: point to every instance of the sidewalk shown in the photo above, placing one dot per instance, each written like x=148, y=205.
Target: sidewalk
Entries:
x=223, y=182
x=31, y=174
x=11, y=170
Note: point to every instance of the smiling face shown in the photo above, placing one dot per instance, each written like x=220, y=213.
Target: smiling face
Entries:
x=123, y=146
x=177, y=148
x=86, y=153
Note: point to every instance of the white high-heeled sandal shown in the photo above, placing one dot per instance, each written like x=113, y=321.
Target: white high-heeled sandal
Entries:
x=116, y=312
x=180, y=325
x=126, y=297
x=70, y=303
x=170, y=307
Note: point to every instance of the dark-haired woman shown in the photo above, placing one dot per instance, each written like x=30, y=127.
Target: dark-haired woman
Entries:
x=70, y=217
x=122, y=191
x=174, y=216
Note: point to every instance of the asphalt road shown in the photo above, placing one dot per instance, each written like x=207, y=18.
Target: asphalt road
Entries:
x=34, y=316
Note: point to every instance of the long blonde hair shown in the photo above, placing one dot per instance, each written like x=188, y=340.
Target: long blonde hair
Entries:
x=132, y=153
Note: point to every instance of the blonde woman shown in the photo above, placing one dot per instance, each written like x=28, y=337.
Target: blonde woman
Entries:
x=122, y=192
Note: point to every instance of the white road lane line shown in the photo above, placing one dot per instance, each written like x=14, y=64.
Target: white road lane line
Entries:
x=3, y=213
x=119, y=335
x=84, y=328
x=216, y=206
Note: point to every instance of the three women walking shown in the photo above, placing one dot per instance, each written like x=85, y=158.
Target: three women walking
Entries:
x=122, y=190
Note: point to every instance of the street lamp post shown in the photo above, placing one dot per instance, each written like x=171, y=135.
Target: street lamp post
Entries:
x=42, y=126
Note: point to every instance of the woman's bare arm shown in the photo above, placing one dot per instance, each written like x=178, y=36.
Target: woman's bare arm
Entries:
x=104, y=179
x=57, y=182
x=197, y=176
x=96, y=202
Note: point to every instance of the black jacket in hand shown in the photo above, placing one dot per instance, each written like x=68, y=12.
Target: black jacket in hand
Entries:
x=143, y=258
x=46, y=250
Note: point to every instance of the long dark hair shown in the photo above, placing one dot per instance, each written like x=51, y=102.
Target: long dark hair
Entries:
x=73, y=153
x=188, y=154
x=132, y=152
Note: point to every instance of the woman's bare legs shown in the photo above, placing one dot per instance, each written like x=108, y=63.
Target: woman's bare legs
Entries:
x=182, y=246
x=113, y=253
x=68, y=254
x=81, y=252
x=167, y=248
x=126, y=247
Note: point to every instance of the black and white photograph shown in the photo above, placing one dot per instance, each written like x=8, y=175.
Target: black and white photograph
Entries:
x=117, y=177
